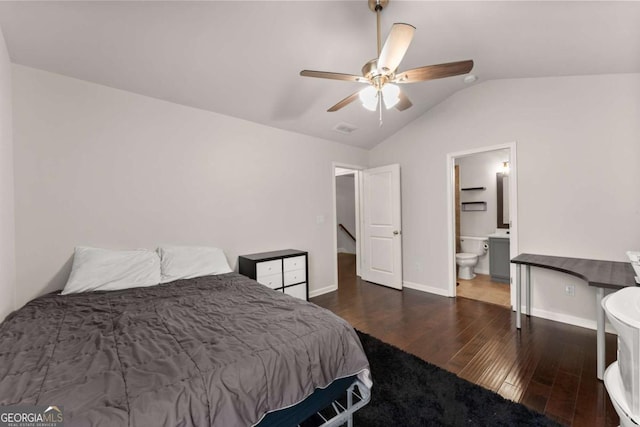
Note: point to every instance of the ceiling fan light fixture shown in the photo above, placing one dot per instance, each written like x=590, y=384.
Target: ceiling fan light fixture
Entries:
x=470, y=78
x=381, y=71
x=390, y=95
x=369, y=98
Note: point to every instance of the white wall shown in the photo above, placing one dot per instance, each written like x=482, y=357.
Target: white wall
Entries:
x=479, y=170
x=104, y=167
x=346, y=212
x=578, y=148
x=7, y=224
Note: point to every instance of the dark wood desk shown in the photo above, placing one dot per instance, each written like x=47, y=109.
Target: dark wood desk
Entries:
x=600, y=274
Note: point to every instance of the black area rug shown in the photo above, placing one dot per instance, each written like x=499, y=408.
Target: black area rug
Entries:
x=408, y=391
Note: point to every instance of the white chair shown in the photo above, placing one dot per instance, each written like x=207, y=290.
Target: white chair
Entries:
x=622, y=378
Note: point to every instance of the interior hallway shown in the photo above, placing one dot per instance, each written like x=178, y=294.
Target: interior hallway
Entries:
x=548, y=366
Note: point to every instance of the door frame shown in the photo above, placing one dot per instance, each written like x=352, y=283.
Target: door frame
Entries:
x=513, y=210
x=334, y=218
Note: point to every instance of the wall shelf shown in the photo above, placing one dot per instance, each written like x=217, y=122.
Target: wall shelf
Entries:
x=473, y=188
x=474, y=206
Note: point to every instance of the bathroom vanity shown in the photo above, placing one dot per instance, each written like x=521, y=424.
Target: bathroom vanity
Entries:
x=499, y=258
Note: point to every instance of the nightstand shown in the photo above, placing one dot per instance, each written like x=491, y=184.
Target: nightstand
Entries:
x=285, y=271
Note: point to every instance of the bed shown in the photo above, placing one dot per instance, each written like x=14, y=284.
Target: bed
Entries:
x=215, y=350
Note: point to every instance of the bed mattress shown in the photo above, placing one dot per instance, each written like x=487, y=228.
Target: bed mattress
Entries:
x=217, y=350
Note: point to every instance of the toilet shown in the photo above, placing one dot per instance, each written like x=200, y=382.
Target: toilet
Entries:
x=472, y=248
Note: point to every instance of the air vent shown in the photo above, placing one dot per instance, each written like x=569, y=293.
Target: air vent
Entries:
x=345, y=128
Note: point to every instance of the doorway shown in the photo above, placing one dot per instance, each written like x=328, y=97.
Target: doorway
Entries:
x=483, y=237
x=377, y=223
x=346, y=219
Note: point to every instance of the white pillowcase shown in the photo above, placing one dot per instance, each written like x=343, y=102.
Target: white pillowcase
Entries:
x=186, y=262
x=97, y=269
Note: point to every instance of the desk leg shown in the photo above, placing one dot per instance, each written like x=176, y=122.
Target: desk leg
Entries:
x=527, y=272
x=518, y=296
x=600, y=334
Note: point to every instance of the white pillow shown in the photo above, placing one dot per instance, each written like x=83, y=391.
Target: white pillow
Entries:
x=97, y=269
x=186, y=262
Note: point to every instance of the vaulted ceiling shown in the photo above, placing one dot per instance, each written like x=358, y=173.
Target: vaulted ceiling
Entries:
x=243, y=58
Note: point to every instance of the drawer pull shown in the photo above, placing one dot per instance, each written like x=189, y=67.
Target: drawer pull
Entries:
x=294, y=263
x=268, y=268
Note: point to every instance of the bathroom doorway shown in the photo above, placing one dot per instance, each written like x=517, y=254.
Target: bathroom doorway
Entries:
x=483, y=223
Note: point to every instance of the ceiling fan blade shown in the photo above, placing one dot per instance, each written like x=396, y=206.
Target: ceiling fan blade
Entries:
x=333, y=76
x=431, y=72
x=404, y=102
x=395, y=46
x=348, y=100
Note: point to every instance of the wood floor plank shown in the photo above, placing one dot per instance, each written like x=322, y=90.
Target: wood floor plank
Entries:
x=536, y=396
x=482, y=288
x=498, y=360
x=472, y=344
x=527, y=358
x=592, y=401
x=548, y=366
x=510, y=391
x=491, y=364
x=562, y=398
x=439, y=345
x=571, y=359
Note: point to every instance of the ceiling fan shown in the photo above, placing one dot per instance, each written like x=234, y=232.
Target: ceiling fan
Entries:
x=382, y=74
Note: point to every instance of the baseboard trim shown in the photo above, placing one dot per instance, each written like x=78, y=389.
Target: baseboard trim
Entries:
x=425, y=288
x=568, y=319
x=322, y=291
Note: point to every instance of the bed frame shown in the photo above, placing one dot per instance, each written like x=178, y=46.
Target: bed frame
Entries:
x=357, y=396
x=341, y=410
x=332, y=406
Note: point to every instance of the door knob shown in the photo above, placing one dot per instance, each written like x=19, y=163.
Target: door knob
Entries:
x=396, y=232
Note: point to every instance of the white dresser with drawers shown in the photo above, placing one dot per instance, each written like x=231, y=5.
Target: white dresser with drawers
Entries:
x=285, y=271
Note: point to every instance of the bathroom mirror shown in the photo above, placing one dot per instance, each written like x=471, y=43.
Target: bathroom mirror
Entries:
x=502, y=187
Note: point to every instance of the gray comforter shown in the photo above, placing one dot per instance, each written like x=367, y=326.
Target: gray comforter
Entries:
x=219, y=350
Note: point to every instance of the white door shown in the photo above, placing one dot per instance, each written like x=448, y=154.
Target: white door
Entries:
x=382, y=238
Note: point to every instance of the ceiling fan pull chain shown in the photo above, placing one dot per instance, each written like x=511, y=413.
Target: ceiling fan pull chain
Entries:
x=380, y=106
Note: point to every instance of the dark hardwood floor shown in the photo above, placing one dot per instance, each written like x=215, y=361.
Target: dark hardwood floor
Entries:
x=547, y=366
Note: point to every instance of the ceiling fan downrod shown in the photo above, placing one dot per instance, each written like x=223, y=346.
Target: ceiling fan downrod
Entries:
x=377, y=6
